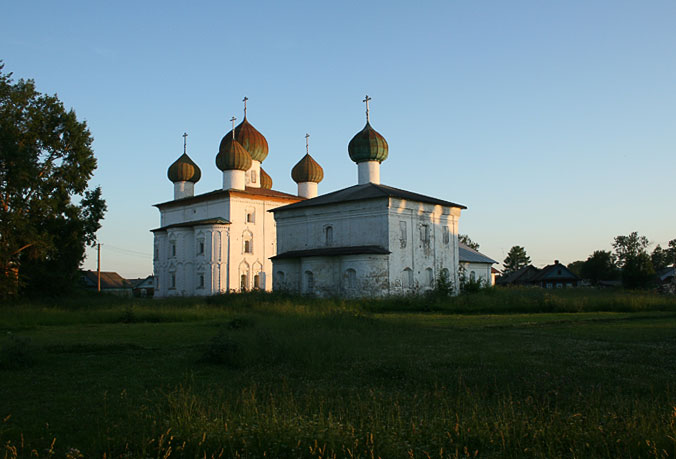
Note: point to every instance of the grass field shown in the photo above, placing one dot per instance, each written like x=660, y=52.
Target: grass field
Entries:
x=512, y=373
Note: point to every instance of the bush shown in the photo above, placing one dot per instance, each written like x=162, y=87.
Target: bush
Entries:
x=18, y=353
x=222, y=350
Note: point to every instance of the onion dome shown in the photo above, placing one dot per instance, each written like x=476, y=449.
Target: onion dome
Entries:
x=232, y=155
x=307, y=170
x=184, y=170
x=266, y=180
x=252, y=140
x=367, y=145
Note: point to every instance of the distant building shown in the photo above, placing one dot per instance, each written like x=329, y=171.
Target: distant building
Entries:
x=111, y=282
x=143, y=287
x=477, y=266
x=551, y=276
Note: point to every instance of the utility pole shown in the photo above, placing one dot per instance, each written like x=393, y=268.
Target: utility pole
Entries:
x=98, y=267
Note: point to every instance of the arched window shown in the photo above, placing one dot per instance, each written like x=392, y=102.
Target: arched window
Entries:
x=472, y=276
x=309, y=282
x=253, y=176
x=247, y=239
x=407, y=278
x=328, y=235
x=350, y=279
x=430, y=277
x=242, y=282
x=445, y=274
x=257, y=281
x=200, y=280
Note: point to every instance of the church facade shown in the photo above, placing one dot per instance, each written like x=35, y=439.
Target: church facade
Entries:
x=369, y=239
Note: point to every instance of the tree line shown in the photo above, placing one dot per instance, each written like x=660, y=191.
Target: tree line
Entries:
x=628, y=262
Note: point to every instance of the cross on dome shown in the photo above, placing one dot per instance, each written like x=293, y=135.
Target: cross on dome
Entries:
x=233, y=119
x=244, y=100
x=366, y=99
x=185, y=142
x=307, y=143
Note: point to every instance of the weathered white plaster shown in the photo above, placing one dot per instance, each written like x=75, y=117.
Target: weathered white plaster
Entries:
x=253, y=175
x=234, y=180
x=368, y=171
x=307, y=190
x=183, y=189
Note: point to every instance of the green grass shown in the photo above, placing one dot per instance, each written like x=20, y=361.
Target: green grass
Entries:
x=507, y=373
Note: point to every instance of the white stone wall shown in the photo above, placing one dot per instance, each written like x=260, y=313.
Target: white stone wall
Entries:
x=422, y=239
x=482, y=271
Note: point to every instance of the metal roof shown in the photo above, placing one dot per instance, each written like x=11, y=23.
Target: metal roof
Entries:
x=469, y=255
x=334, y=251
x=206, y=221
x=249, y=192
x=363, y=192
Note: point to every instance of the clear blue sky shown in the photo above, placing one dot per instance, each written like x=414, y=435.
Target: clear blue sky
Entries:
x=553, y=122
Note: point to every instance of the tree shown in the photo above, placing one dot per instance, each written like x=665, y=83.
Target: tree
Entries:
x=600, y=266
x=575, y=267
x=468, y=242
x=627, y=247
x=660, y=258
x=636, y=265
x=47, y=213
x=516, y=259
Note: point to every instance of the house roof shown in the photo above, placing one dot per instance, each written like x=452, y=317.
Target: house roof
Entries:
x=249, y=192
x=557, y=271
x=364, y=192
x=469, y=255
x=520, y=276
x=109, y=280
x=206, y=221
x=334, y=251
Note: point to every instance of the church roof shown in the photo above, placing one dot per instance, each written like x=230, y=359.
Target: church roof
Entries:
x=334, y=251
x=467, y=254
x=367, y=145
x=206, y=221
x=307, y=170
x=184, y=169
x=249, y=192
x=367, y=191
x=253, y=141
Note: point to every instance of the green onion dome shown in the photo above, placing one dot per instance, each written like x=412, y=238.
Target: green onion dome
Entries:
x=367, y=145
x=266, y=180
x=252, y=140
x=307, y=170
x=232, y=156
x=184, y=170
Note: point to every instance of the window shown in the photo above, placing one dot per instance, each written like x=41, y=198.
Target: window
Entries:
x=328, y=235
x=350, y=279
x=257, y=281
x=253, y=176
x=425, y=234
x=472, y=276
x=407, y=278
x=248, y=242
x=200, y=280
x=430, y=277
x=200, y=247
x=250, y=216
x=172, y=280
x=242, y=282
x=309, y=282
x=447, y=235
x=157, y=252
x=402, y=234
x=172, y=248
x=445, y=274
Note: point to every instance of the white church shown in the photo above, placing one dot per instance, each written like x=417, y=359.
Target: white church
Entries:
x=369, y=239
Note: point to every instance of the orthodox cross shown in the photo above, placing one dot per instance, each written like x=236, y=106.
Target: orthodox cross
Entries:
x=233, y=119
x=366, y=99
x=307, y=144
x=244, y=100
x=185, y=142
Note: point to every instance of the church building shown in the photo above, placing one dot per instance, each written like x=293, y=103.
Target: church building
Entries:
x=369, y=239
x=222, y=240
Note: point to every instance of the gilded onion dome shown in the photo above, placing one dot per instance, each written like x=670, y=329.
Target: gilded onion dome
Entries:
x=252, y=140
x=232, y=155
x=307, y=170
x=184, y=170
x=368, y=145
x=266, y=180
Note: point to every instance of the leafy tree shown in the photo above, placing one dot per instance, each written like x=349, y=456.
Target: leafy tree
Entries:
x=576, y=267
x=600, y=266
x=660, y=258
x=627, y=247
x=516, y=259
x=47, y=213
x=468, y=242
